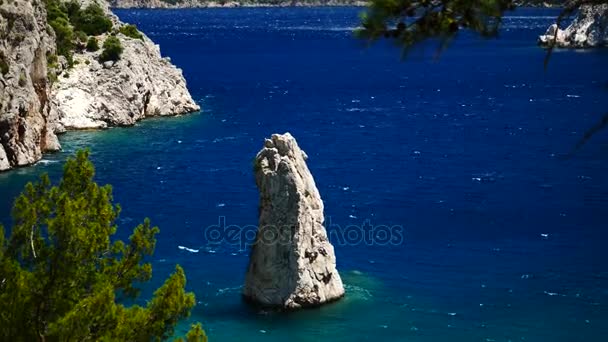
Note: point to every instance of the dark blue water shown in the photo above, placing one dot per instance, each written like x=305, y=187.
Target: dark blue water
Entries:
x=504, y=236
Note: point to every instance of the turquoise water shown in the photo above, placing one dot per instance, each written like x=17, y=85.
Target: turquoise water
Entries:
x=504, y=234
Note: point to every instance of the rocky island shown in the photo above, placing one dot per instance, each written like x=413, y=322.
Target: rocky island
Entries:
x=75, y=65
x=292, y=263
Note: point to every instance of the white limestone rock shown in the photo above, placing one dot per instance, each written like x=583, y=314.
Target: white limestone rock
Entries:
x=140, y=84
x=26, y=114
x=589, y=29
x=292, y=263
x=32, y=111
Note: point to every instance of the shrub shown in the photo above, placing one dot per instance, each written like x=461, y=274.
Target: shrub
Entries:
x=112, y=49
x=92, y=20
x=65, y=36
x=131, y=31
x=92, y=44
x=55, y=9
x=80, y=36
x=51, y=59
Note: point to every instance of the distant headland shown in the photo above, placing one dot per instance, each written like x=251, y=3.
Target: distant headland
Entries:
x=274, y=3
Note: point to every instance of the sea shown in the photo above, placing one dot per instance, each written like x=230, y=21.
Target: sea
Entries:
x=459, y=202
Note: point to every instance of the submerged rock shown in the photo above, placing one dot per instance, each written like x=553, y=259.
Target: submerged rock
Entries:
x=292, y=263
x=589, y=29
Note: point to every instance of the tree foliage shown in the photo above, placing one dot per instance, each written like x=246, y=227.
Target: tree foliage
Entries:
x=72, y=24
x=131, y=31
x=62, y=277
x=92, y=44
x=112, y=49
x=92, y=20
x=410, y=22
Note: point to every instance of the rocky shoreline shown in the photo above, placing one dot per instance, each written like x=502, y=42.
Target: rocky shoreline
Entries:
x=40, y=99
x=588, y=30
x=177, y=4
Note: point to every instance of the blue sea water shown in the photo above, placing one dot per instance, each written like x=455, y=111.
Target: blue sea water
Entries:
x=504, y=231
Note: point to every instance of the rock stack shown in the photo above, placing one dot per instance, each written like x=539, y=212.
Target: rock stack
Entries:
x=292, y=263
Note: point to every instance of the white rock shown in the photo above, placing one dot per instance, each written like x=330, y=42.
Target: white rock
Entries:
x=140, y=84
x=589, y=29
x=26, y=114
x=292, y=263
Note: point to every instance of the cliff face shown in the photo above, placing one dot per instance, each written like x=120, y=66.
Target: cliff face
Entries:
x=589, y=29
x=27, y=117
x=140, y=84
x=89, y=95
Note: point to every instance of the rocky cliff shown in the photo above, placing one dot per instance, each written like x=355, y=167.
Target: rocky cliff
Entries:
x=292, y=263
x=589, y=29
x=140, y=84
x=37, y=101
x=27, y=117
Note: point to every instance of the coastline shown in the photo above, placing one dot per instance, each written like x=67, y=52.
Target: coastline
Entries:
x=235, y=4
x=192, y=4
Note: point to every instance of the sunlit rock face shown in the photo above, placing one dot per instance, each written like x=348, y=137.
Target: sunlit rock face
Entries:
x=34, y=107
x=26, y=115
x=589, y=29
x=292, y=263
x=140, y=84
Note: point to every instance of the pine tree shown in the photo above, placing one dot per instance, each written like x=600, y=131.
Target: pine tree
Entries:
x=63, y=278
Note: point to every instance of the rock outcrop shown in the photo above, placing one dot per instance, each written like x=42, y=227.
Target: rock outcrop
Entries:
x=88, y=95
x=589, y=29
x=26, y=115
x=140, y=84
x=292, y=263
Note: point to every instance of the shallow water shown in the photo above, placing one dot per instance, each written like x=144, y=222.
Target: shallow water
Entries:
x=503, y=235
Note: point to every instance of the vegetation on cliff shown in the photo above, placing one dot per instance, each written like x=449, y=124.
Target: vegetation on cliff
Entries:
x=62, y=277
x=112, y=49
x=74, y=26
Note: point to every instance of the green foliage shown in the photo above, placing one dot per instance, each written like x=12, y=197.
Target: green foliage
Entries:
x=51, y=60
x=410, y=22
x=92, y=44
x=92, y=20
x=61, y=274
x=112, y=49
x=80, y=36
x=72, y=24
x=65, y=36
x=131, y=31
x=196, y=333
